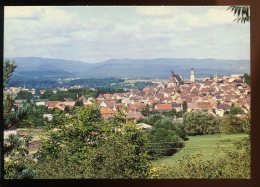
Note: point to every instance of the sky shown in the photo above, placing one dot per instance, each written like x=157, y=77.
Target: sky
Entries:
x=94, y=34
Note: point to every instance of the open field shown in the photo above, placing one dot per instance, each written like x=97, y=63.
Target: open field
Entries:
x=205, y=144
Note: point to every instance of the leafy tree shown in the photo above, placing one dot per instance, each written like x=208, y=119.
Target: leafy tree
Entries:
x=24, y=95
x=147, y=111
x=172, y=114
x=88, y=147
x=122, y=154
x=152, y=119
x=233, y=124
x=164, y=142
x=234, y=110
x=8, y=69
x=34, y=117
x=242, y=12
x=199, y=122
x=166, y=137
x=246, y=78
x=11, y=114
x=15, y=147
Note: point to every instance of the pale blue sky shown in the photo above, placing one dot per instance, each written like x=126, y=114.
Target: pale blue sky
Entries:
x=93, y=34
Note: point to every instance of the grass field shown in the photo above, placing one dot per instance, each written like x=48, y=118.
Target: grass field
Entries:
x=207, y=145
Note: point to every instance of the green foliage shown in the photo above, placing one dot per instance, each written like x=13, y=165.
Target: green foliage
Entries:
x=147, y=111
x=71, y=93
x=11, y=113
x=111, y=90
x=17, y=162
x=199, y=122
x=152, y=119
x=242, y=12
x=24, y=95
x=173, y=113
x=122, y=154
x=34, y=117
x=233, y=124
x=247, y=78
x=93, y=148
x=166, y=137
x=33, y=82
x=8, y=69
x=227, y=164
x=236, y=110
x=164, y=142
x=59, y=119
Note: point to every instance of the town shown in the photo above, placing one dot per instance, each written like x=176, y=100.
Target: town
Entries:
x=127, y=92
x=215, y=95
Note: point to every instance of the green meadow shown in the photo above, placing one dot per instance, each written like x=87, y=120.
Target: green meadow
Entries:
x=207, y=145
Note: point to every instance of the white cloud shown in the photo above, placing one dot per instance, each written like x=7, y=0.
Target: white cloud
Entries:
x=135, y=32
x=22, y=12
x=155, y=10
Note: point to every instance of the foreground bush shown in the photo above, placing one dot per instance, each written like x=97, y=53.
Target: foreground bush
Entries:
x=166, y=137
x=234, y=124
x=200, y=122
x=234, y=164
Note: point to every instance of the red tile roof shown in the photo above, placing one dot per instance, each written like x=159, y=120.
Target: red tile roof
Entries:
x=51, y=104
x=204, y=105
x=163, y=107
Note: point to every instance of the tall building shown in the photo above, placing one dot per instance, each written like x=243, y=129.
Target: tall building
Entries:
x=174, y=80
x=192, y=75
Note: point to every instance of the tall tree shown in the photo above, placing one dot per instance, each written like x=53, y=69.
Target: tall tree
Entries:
x=15, y=147
x=12, y=114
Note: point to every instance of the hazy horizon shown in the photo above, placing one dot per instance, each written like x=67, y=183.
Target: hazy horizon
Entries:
x=122, y=59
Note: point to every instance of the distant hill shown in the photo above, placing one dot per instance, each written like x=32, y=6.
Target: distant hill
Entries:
x=131, y=68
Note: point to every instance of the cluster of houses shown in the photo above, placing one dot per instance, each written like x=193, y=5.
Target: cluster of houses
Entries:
x=214, y=95
x=16, y=90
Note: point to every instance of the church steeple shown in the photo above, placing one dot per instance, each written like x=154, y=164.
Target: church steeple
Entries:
x=192, y=75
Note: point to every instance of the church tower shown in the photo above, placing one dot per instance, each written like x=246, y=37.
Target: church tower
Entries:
x=192, y=75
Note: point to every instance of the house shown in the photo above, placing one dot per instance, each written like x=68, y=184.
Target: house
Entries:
x=134, y=115
x=163, y=107
x=106, y=112
x=191, y=106
x=177, y=106
x=88, y=102
x=69, y=103
x=222, y=108
x=174, y=80
x=42, y=91
x=51, y=104
x=49, y=117
x=204, y=105
x=40, y=103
